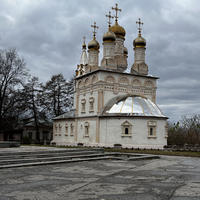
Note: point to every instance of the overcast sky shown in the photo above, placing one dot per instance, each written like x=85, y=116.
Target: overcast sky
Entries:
x=49, y=35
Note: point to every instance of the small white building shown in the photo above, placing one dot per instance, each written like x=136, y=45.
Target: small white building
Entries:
x=113, y=104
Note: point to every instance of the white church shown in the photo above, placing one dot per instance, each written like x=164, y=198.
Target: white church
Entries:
x=113, y=104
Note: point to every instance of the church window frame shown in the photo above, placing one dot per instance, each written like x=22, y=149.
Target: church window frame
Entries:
x=126, y=129
x=87, y=126
x=83, y=105
x=87, y=81
x=59, y=129
x=121, y=80
x=152, y=125
x=56, y=129
x=136, y=82
x=110, y=79
x=91, y=106
x=66, y=129
x=71, y=129
x=94, y=79
x=148, y=83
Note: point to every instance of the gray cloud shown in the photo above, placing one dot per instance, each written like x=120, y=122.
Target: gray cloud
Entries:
x=49, y=35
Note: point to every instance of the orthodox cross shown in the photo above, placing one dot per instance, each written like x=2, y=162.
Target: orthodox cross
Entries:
x=140, y=23
x=84, y=39
x=116, y=9
x=95, y=27
x=109, y=16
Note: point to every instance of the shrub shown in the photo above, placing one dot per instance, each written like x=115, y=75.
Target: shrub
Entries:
x=26, y=140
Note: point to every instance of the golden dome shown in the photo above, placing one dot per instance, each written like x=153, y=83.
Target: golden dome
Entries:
x=84, y=46
x=93, y=44
x=125, y=51
x=109, y=36
x=118, y=30
x=139, y=42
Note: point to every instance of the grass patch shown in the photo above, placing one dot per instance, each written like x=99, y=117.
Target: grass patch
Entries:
x=156, y=152
x=160, y=152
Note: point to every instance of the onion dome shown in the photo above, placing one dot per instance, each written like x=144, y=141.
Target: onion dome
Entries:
x=109, y=36
x=131, y=105
x=139, y=42
x=84, y=46
x=125, y=51
x=93, y=44
x=118, y=30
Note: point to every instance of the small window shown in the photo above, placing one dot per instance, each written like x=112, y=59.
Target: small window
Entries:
x=126, y=129
x=71, y=129
x=152, y=125
x=91, y=100
x=86, y=131
x=83, y=102
x=60, y=128
x=45, y=135
x=56, y=128
x=87, y=125
x=151, y=131
x=30, y=135
x=91, y=106
x=66, y=128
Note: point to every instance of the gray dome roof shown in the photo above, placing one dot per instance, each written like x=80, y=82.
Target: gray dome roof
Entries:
x=131, y=105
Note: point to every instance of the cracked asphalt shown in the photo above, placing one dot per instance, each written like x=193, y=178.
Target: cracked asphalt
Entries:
x=170, y=178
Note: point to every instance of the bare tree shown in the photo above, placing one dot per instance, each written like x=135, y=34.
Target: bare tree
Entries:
x=185, y=131
x=58, y=95
x=13, y=74
x=31, y=94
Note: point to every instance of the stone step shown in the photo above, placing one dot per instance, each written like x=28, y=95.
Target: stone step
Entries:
x=53, y=162
x=78, y=160
x=2, y=153
x=33, y=159
x=44, y=155
x=30, y=158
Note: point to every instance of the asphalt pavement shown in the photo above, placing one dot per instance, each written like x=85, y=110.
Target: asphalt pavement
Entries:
x=170, y=178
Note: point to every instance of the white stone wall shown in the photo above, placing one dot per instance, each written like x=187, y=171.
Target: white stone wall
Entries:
x=89, y=139
x=61, y=137
x=87, y=97
x=119, y=46
x=93, y=57
x=139, y=55
x=108, y=49
x=111, y=132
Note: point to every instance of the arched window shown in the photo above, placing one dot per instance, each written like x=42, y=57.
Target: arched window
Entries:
x=83, y=102
x=66, y=129
x=71, y=129
x=87, y=125
x=151, y=131
x=60, y=128
x=126, y=131
x=152, y=125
